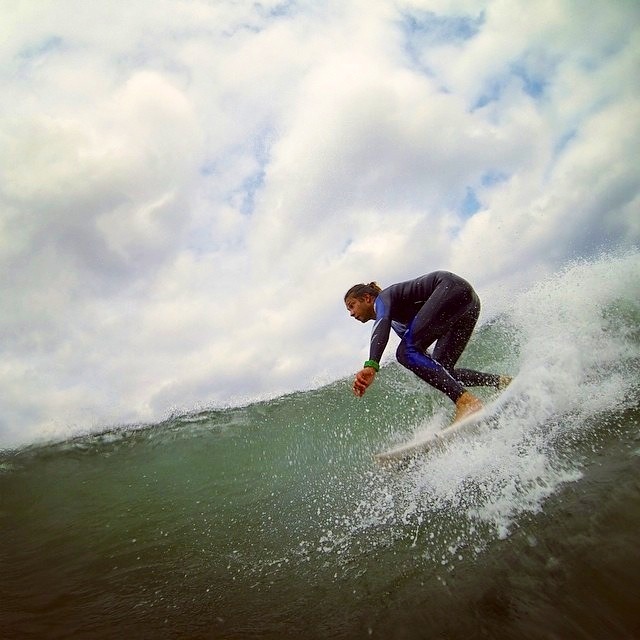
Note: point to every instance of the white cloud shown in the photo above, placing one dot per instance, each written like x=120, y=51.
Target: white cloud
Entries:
x=188, y=188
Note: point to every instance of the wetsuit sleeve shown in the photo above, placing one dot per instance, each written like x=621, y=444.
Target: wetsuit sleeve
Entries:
x=381, y=329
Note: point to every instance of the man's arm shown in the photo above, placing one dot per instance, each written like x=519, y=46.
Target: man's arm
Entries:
x=381, y=329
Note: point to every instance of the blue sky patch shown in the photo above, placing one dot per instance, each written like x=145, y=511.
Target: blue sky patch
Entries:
x=470, y=203
x=491, y=178
x=424, y=29
x=533, y=84
x=280, y=10
x=42, y=48
x=492, y=93
x=428, y=28
x=248, y=190
x=563, y=141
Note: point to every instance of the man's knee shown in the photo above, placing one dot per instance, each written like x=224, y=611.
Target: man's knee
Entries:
x=411, y=357
x=402, y=354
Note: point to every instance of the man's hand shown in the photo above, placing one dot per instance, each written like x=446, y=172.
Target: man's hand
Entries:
x=363, y=379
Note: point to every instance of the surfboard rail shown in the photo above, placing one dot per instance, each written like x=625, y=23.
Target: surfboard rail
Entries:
x=426, y=443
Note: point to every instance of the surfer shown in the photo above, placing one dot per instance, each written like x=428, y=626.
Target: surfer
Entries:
x=438, y=307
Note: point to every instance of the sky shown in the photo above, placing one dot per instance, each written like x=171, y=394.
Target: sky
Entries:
x=188, y=187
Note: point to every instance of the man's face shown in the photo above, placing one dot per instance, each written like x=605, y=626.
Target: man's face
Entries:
x=361, y=308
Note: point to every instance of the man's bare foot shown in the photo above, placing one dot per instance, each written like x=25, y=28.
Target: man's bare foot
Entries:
x=504, y=382
x=466, y=405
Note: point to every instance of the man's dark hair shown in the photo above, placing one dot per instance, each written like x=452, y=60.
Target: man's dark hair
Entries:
x=359, y=291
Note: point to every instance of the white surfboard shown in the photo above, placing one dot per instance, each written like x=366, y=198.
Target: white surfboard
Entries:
x=421, y=445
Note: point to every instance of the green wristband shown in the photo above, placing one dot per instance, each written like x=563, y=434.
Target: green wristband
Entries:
x=373, y=364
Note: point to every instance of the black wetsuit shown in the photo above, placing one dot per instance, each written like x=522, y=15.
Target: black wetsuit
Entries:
x=438, y=307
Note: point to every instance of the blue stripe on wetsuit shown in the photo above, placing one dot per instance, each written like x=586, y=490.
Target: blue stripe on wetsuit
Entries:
x=417, y=358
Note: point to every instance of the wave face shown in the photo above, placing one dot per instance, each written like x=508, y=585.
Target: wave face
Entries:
x=271, y=521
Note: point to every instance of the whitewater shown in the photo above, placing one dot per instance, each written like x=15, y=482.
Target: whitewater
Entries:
x=271, y=520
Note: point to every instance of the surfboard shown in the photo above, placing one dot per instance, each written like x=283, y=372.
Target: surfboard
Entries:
x=422, y=445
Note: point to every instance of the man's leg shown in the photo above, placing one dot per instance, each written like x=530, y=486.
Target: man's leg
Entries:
x=428, y=369
x=450, y=347
x=448, y=316
x=440, y=319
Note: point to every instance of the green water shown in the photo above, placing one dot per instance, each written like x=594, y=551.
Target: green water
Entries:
x=264, y=522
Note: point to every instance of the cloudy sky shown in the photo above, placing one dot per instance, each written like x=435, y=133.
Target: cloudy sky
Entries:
x=187, y=187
